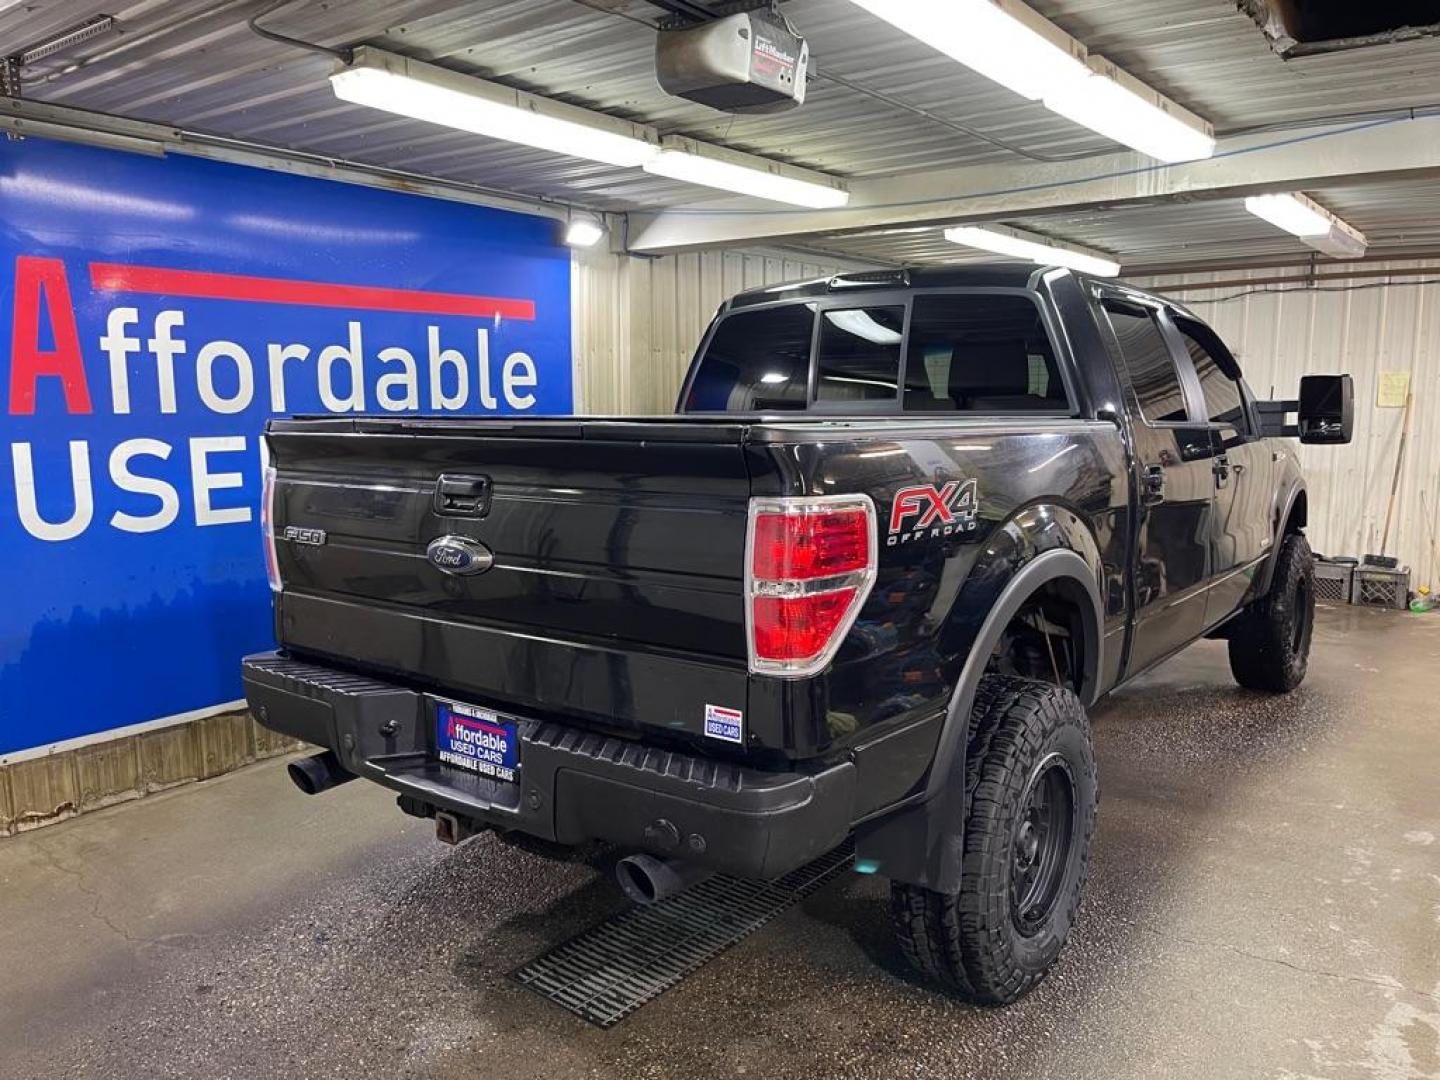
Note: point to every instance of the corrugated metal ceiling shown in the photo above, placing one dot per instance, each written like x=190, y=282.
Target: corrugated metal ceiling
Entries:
x=193, y=64
x=1394, y=216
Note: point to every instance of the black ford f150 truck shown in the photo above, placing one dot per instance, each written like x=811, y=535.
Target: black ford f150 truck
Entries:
x=904, y=529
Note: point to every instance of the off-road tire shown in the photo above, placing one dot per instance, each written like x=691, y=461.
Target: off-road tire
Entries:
x=1270, y=640
x=972, y=942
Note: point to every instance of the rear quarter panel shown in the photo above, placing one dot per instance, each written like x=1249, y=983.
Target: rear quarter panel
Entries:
x=1037, y=485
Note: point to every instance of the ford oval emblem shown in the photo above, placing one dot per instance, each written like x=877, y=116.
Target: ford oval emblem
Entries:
x=459, y=555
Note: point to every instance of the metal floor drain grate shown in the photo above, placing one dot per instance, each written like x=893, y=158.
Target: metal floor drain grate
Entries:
x=606, y=973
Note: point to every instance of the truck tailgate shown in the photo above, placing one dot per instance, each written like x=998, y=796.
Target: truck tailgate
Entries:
x=616, y=587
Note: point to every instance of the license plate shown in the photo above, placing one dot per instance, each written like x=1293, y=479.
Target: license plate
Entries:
x=477, y=739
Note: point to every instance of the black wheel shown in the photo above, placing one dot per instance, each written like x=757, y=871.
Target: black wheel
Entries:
x=1031, y=791
x=1270, y=641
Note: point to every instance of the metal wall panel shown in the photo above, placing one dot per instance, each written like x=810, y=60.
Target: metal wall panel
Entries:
x=1280, y=332
x=637, y=320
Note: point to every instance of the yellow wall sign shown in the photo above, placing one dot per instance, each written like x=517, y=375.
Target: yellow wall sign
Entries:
x=1392, y=390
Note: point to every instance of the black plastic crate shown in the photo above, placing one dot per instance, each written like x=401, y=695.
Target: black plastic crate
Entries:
x=1373, y=587
x=1333, y=580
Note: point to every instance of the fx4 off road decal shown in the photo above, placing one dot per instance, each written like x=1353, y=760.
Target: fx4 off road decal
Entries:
x=928, y=510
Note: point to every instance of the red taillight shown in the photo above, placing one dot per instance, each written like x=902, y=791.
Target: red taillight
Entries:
x=795, y=627
x=267, y=527
x=795, y=547
x=812, y=562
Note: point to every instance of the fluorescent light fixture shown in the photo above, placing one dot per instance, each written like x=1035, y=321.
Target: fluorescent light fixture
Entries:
x=1312, y=223
x=437, y=95
x=729, y=170
x=774, y=378
x=1037, y=249
x=1022, y=50
x=859, y=322
x=423, y=91
x=1002, y=40
x=583, y=232
x=1121, y=107
x=1343, y=241
x=1294, y=213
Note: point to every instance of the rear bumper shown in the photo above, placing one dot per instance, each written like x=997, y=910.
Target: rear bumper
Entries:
x=574, y=785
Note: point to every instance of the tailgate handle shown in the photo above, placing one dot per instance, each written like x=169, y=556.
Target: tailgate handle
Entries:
x=462, y=496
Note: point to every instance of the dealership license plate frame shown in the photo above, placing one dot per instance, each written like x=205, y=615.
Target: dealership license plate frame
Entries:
x=474, y=755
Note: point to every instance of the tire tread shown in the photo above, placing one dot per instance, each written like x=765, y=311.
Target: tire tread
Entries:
x=958, y=939
x=1261, y=656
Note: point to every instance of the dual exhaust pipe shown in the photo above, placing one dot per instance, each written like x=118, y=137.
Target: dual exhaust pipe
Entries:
x=645, y=879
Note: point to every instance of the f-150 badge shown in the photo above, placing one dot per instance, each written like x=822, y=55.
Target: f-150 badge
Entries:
x=928, y=510
x=298, y=534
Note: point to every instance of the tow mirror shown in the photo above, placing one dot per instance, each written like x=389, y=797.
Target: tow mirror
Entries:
x=1326, y=411
x=1327, y=408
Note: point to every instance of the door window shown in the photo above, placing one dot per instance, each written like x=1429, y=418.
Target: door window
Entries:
x=1147, y=357
x=1223, y=402
x=859, y=358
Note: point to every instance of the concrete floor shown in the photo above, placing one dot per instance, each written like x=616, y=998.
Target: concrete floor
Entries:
x=1264, y=901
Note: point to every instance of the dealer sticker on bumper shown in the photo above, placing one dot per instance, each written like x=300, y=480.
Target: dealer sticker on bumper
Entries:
x=723, y=723
x=478, y=740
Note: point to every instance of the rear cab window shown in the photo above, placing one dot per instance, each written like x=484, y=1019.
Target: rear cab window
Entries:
x=981, y=354
x=927, y=352
x=756, y=361
x=858, y=355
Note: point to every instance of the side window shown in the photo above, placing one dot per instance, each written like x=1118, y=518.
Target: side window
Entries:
x=1223, y=403
x=859, y=355
x=1147, y=358
x=757, y=361
x=980, y=352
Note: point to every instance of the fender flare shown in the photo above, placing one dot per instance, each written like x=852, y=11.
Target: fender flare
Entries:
x=1053, y=565
x=1267, y=572
x=921, y=844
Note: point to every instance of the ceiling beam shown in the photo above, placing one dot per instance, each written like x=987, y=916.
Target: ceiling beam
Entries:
x=24, y=117
x=1286, y=160
x=1309, y=261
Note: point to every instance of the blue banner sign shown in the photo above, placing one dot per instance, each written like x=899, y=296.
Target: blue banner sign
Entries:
x=159, y=310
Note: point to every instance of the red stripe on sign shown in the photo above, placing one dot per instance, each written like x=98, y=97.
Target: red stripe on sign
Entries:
x=117, y=277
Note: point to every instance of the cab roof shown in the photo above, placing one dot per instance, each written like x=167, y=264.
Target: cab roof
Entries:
x=994, y=275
